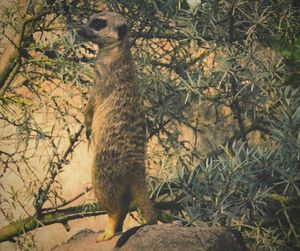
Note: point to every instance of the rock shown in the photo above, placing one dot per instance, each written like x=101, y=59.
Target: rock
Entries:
x=81, y=234
x=173, y=237
x=86, y=240
x=162, y=237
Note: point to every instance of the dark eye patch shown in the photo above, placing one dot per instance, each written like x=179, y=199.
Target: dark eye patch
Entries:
x=98, y=24
x=122, y=30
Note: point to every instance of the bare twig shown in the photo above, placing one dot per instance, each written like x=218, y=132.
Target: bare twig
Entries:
x=53, y=171
x=67, y=202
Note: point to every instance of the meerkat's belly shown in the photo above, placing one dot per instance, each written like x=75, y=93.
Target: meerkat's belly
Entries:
x=119, y=145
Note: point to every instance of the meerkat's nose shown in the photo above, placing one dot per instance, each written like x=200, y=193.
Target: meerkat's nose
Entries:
x=81, y=30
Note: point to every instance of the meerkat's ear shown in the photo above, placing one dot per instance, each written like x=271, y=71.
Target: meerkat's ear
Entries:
x=122, y=31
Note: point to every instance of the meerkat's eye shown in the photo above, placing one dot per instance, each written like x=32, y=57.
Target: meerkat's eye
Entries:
x=98, y=24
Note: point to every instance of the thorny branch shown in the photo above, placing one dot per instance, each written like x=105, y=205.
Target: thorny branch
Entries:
x=53, y=171
x=235, y=105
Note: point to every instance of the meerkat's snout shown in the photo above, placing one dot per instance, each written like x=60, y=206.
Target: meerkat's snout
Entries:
x=83, y=31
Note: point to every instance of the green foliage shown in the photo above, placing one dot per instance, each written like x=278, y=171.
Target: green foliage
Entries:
x=249, y=188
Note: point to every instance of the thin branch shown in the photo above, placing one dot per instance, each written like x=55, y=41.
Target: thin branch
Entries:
x=54, y=171
x=67, y=202
x=235, y=105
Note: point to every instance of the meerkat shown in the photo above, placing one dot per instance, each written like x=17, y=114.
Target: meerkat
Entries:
x=115, y=123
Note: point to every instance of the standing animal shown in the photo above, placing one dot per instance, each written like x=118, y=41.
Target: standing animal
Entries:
x=115, y=123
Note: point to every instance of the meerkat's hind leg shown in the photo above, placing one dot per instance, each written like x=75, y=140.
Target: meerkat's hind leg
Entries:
x=114, y=225
x=116, y=218
x=110, y=228
x=140, y=194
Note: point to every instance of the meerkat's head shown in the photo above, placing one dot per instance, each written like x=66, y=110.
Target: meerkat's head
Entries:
x=105, y=28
